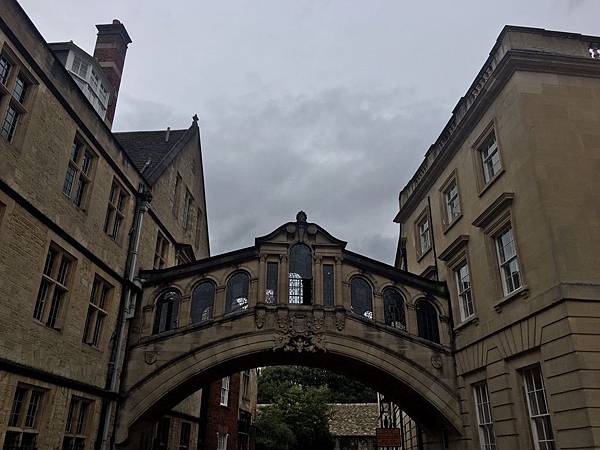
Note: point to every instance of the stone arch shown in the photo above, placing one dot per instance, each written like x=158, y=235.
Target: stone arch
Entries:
x=421, y=381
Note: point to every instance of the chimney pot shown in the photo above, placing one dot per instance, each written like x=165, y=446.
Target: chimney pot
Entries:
x=167, y=134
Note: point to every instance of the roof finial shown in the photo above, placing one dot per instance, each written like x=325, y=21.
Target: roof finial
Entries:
x=167, y=134
x=301, y=216
x=195, y=119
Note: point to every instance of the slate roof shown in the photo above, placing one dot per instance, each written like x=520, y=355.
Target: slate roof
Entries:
x=353, y=419
x=148, y=147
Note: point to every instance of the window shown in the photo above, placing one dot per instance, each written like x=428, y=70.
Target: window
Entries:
x=246, y=384
x=161, y=251
x=97, y=312
x=5, y=67
x=80, y=67
x=20, y=89
x=203, y=298
x=225, y=391
x=78, y=172
x=451, y=201
x=237, y=292
x=77, y=420
x=427, y=321
x=53, y=287
x=423, y=234
x=393, y=309
x=22, y=432
x=535, y=393
x=161, y=434
x=10, y=123
x=272, y=280
x=490, y=157
x=328, y=285
x=222, y=441
x=361, y=297
x=185, y=212
x=184, y=435
x=487, y=438
x=115, y=213
x=508, y=261
x=463, y=287
x=300, y=275
x=167, y=311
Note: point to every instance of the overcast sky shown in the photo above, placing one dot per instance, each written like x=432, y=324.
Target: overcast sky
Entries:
x=325, y=106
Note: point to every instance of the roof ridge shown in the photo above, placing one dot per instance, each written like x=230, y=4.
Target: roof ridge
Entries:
x=150, y=131
x=174, y=147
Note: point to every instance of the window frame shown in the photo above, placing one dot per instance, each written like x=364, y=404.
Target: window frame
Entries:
x=225, y=389
x=364, y=314
x=22, y=424
x=81, y=432
x=448, y=221
x=185, y=437
x=161, y=251
x=482, y=180
x=222, y=444
x=461, y=293
x=80, y=176
x=423, y=217
x=229, y=307
x=54, y=279
x=546, y=417
x=100, y=298
x=245, y=384
x=116, y=211
x=172, y=311
x=503, y=264
x=486, y=429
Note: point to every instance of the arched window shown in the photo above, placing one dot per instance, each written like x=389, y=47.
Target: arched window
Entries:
x=393, y=309
x=427, y=321
x=362, y=297
x=167, y=311
x=203, y=300
x=237, y=292
x=300, y=275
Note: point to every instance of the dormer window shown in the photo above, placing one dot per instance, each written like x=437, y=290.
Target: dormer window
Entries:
x=79, y=66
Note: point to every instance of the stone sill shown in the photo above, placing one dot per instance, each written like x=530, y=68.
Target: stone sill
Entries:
x=523, y=291
x=473, y=320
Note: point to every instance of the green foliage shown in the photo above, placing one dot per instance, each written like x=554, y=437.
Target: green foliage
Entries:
x=296, y=420
x=273, y=381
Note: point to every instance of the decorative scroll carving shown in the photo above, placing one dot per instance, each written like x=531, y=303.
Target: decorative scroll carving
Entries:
x=299, y=332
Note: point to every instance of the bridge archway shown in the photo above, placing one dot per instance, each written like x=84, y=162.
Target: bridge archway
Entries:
x=164, y=368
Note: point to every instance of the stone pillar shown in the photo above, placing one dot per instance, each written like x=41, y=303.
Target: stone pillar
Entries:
x=219, y=309
x=185, y=309
x=377, y=306
x=253, y=293
x=282, y=295
x=339, y=292
x=411, y=320
x=262, y=278
x=318, y=281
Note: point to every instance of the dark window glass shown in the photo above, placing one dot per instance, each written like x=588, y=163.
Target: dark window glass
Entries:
x=361, y=296
x=328, y=285
x=184, y=436
x=272, y=278
x=10, y=123
x=300, y=275
x=167, y=312
x=20, y=89
x=393, y=307
x=203, y=299
x=237, y=292
x=427, y=321
x=161, y=436
x=4, y=69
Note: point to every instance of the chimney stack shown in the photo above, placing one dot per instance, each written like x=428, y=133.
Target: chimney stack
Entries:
x=110, y=51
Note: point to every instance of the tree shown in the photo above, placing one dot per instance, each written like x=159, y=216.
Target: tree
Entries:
x=301, y=411
x=275, y=380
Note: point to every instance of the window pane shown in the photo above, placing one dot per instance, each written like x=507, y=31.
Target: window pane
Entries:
x=203, y=298
x=361, y=297
x=15, y=412
x=393, y=305
x=300, y=275
x=272, y=280
x=328, y=285
x=10, y=123
x=237, y=292
x=427, y=322
x=5, y=67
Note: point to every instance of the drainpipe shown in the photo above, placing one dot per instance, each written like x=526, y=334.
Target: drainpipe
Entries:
x=126, y=312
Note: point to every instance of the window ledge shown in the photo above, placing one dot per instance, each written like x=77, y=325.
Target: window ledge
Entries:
x=523, y=291
x=451, y=224
x=473, y=320
x=489, y=183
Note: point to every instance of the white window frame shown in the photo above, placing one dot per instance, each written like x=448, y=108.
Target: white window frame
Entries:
x=537, y=406
x=423, y=229
x=464, y=291
x=222, y=441
x=490, y=168
x=225, y=382
x=485, y=421
x=452, y=200
x=509, y=285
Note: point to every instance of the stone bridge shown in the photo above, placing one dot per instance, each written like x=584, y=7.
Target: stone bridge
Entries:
x=296, y=297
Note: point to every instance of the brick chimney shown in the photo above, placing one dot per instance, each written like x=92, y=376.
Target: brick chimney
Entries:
x=110, y=51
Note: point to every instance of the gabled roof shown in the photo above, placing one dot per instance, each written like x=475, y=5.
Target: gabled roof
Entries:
x=151, y=152
x=354, y=419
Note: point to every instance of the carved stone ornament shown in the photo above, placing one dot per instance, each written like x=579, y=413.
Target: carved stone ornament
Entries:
x=299, y=332
x=340, y=320
x=436, y=361
x=260, y=316
x=150, y=357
